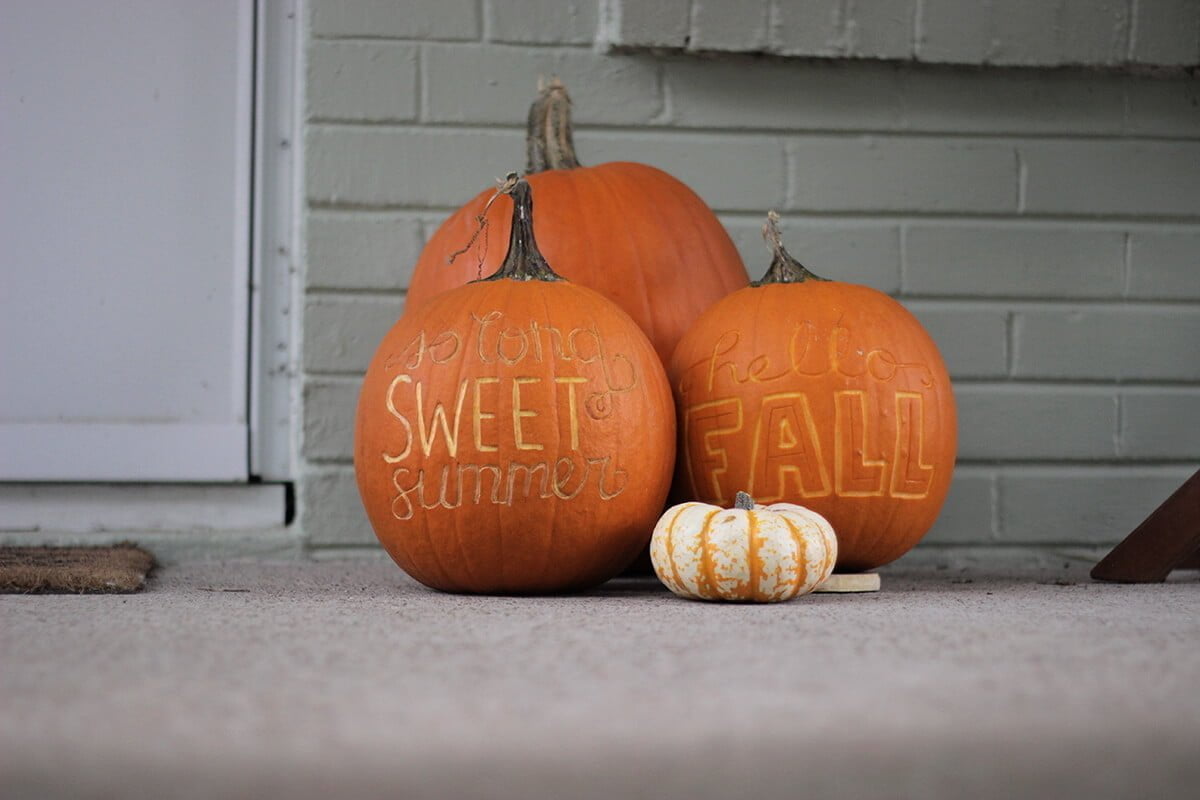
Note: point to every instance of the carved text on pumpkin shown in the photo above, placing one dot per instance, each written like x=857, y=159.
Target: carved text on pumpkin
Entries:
x=504, y=411
x=787, y=460
x=490, y=341
x=810, y=355
x=453, y=485
x=485, y=439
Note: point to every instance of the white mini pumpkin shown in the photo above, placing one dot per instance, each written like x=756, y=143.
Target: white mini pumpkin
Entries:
x=750, y=552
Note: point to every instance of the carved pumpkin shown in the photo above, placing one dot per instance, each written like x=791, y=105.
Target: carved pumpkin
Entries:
x=515, y=434
x=825, y=394
x=757, y=553
x=641, y=238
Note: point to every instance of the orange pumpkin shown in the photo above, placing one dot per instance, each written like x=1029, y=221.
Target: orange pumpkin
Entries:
x=825, y=394
x=632, y=232
x=516, y=434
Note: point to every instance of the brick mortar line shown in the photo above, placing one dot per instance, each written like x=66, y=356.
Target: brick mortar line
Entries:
x=656, y=129
x=485, y=27
x=1132, y=31
x=409, y=40
x=1010, y=344
x=918, y=31
x=925, y=302
x=996, y=512
x=1097, y=387
x=1022, y=181
x=883, y=219
x=352, y=292
x=421, y=101
x=1119, y=446
x=1127, y=265
x=1019, y=304
x=1127, y=69
x=1001, y=220
x=801, y=214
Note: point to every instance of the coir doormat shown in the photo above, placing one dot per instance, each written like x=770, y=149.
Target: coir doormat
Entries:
x=117, y=569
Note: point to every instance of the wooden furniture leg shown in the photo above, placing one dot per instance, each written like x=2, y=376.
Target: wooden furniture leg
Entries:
x=1168, y=539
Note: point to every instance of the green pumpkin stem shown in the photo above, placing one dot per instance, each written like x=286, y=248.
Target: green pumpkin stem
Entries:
x=549, y=141
x=523, y=262
x=784, y=268
x=743, y=501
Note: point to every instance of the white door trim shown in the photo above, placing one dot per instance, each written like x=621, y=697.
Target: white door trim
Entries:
x=126, y=509
x=135, y=451
x=274, y=301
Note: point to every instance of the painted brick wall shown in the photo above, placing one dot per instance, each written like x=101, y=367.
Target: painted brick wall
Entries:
x=1045, y=225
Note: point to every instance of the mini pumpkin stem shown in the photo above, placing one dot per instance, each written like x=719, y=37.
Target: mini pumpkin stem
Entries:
x=784, y=268
x=523, y=262
x=743, y=501
x=549, y=141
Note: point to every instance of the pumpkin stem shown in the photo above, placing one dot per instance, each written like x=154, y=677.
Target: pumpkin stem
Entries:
x=743, y=501
x=549, y=142
x=503, y=186
x=784, y=268
x=523, y=262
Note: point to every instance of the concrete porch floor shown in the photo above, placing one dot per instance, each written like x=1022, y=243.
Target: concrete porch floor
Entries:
x=345, y=679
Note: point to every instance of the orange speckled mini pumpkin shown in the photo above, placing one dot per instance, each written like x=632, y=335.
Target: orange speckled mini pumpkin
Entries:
x=825, y=394
x=515, y=434
x=632, y=232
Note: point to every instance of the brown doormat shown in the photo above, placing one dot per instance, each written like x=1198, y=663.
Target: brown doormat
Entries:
x=107, y=570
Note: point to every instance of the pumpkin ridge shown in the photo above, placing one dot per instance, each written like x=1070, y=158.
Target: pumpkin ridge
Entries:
x=649, y=320
x=752, y=555
x=709, y=589
x=671, y=546
x=434, y=550
x=665, y=222
x=458, y=520
x=548, y=555
x=801, y=553
x=434, y=545
x=579, y=199
x=669, y=218
x=700, y=235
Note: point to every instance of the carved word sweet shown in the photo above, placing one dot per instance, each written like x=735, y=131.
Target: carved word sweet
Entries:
x=449, y=434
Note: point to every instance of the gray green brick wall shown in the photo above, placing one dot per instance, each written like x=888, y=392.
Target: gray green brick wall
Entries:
x=1043, y=224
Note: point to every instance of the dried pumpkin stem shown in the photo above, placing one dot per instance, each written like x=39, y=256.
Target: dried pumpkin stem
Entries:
x=784, y=268
x=504, y=186
x=523, y=262
x=743, y=501
x=549, y=140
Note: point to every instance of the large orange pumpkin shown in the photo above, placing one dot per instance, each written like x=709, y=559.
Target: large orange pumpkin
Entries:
x=824, y=394
x=632, y=232
x=516, y=434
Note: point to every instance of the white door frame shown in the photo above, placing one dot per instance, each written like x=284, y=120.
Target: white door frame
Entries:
x=274, y=287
